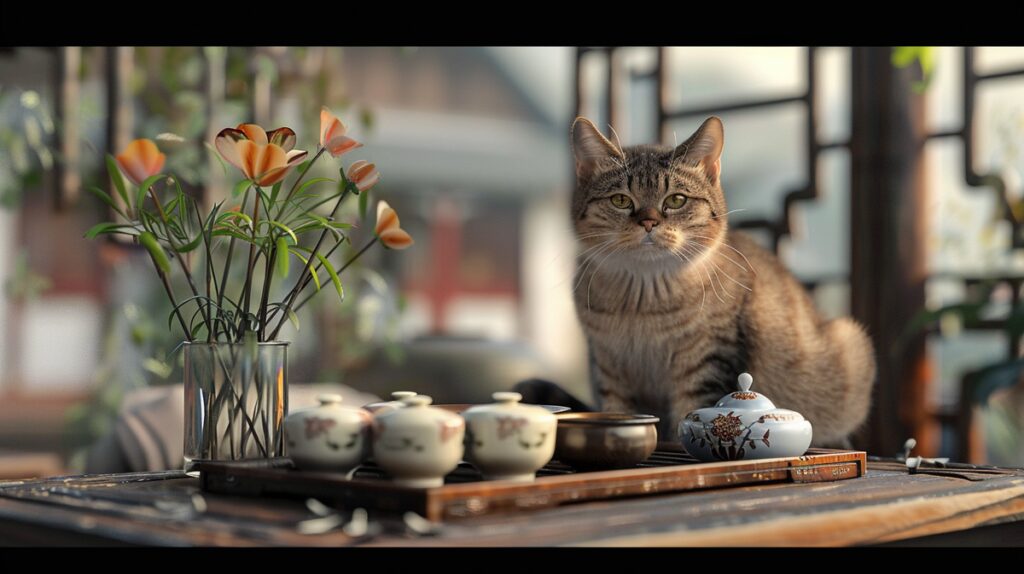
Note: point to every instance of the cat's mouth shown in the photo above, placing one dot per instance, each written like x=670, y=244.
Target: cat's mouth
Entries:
x=648, y=240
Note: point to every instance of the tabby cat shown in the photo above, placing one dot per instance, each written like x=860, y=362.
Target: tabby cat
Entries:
x=675, y=306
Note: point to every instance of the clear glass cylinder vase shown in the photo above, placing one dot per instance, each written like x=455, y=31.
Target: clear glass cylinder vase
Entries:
x=236, y=398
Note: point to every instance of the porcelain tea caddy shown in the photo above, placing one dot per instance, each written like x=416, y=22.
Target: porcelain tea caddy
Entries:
x=418, y=444
x=394, y=403
x=330, y=437
x=744, y=425
x=507, y=440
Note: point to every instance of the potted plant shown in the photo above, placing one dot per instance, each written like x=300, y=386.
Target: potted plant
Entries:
x=231, y=255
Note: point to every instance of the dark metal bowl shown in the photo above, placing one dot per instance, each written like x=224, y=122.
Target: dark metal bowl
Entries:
x=597, y=441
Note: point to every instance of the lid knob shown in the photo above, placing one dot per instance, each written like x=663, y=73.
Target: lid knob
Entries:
x=507, y=397
x=417, y=400
x=745, y=380
x=399, y=395
x=329, y=399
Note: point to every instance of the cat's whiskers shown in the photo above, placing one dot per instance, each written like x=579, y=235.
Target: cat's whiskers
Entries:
x=579, y=239
x=590, y=260
x=579, y=263
x=717, y=269
x=704, y=267
x=594, y=274
x=726, y=213
x=597, y=234
x=733, y=279
x=703, y=291
x=725, y=243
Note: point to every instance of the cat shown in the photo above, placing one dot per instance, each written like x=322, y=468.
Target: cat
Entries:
x=675, y=306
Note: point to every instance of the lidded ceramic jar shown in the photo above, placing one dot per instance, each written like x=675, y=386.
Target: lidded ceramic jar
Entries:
x=508, y=440
x=418, y=444
x=330, y=436
x=744, y=425
x=394, y=403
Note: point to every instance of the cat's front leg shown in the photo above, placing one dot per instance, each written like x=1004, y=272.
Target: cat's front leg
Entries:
x=611, y=392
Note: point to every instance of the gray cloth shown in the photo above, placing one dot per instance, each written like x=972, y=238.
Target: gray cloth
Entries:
x=149, y=432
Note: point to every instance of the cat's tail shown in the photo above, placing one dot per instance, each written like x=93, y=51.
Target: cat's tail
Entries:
x=855, y=355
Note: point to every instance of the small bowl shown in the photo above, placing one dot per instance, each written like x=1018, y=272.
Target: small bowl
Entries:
x=595, y=441
x=459, y=408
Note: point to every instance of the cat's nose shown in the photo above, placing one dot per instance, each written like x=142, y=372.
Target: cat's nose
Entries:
x=649, y=224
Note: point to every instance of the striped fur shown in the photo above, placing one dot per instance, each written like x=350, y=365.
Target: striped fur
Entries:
x=670, y=325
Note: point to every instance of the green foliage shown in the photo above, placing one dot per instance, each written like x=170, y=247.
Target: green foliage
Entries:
x=924, y=56
x=259, y=235
x=26, y=129
x=24, y=283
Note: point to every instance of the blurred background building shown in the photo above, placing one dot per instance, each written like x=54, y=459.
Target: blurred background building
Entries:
x=888, y=180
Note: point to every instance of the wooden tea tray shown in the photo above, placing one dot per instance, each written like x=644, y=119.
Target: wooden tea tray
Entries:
x=465, y=494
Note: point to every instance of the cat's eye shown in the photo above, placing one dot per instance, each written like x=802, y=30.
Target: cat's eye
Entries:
x=675, y=201
x=621, y=201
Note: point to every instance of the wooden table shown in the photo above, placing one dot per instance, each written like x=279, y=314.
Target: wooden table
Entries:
x=888, y=505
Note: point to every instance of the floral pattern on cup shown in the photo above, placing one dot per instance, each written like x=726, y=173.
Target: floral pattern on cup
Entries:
x=722, y=434
x=744, y=425
x=507, y=440
x=418, y=444
x=328, y=437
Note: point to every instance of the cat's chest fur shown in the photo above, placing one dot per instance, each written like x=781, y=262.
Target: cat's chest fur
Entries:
x=648, y=331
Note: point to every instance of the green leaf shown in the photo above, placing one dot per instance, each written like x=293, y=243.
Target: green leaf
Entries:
x=190, y=245
x=284, y=228
x=293, y=318
x=144, y=187
x=117, y=178
x=237, y=235
x=334, y=276
x=107, y=227
x=149, y=241
x=240, y=187
x=273, y=194
x=282, y=256
x=364, y=202
x=309, y=183
x=235, y=215
x=312, y=268
x=106, y=199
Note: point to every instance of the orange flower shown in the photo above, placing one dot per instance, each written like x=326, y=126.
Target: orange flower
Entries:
x=364, y=174
x=388, y=230
x=141, y=159
x=332, y=134
x=264, y=157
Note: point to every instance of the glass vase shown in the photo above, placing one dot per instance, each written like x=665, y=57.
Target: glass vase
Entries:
x=236, y=398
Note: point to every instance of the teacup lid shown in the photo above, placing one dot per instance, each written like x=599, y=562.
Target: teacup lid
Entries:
x=417, y=412
x=508, y=403
x=329, y=399
x=417, y=401
x=745, y=399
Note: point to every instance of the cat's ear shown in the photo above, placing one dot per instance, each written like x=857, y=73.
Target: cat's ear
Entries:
x=591, y=148
x=704, y=148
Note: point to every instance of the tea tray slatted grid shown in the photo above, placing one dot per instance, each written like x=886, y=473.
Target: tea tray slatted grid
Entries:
x=465, y=493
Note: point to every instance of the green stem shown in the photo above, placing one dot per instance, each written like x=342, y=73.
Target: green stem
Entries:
x=295, y=185
x=342, y=268
x=177, y=311
x=247, y=287
x=290, y=298
x=227, y=263
x=177, y=255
